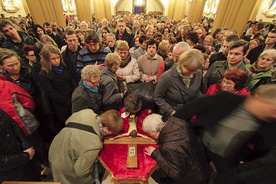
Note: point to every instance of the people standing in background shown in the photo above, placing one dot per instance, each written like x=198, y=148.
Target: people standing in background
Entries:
x=93, y=54
x=149, y=62
x=122, y=34
x=49, y=31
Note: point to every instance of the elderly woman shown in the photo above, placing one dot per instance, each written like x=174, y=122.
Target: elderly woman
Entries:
x=128, y=72
x=86, y=95
x=56, y=81
x=234, y=80
x=111, y=94
x=181, y=158
x=262, y=69
x=27, y=79
x=181, y=83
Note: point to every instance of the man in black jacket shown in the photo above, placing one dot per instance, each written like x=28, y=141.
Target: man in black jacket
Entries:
x=15, y=39
x=227, y=122
x=122, y=34
x=49, y=31
x=70, y=54
x=270, y=43
x=180, y=157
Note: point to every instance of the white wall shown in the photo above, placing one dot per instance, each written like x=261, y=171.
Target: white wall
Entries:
x=126, y=6
x=260, y=14
x=166, y=5
x=112, y=4
x=92, y=7
x=153, y=6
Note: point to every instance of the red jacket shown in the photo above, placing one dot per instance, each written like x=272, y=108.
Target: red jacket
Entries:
x=6, y=102
x=215, y=88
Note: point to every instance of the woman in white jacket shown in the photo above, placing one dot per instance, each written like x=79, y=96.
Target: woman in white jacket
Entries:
x=128, y=71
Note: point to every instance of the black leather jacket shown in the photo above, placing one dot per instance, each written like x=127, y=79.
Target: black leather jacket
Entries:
x=12, y=158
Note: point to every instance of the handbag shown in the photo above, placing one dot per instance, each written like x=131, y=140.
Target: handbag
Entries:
x=29, y=120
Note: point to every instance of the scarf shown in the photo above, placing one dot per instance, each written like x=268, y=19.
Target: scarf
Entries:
x=125, y=61
x=58, y=69
x=256, y=70
x=93, y=90
x=186, y=79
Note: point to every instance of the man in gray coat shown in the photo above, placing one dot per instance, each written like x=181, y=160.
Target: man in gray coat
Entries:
x=235, y=57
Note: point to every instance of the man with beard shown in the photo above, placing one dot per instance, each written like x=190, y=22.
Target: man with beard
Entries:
x=49, y=31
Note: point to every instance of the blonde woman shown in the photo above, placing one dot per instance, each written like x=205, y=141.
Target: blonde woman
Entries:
x=262, y=69
x=181, y=83
x=111, y=94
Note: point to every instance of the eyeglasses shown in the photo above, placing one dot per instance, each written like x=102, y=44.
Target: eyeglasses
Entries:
x=227, y=82
x=95, y=82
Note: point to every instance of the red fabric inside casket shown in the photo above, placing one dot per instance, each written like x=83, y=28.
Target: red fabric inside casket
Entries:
x=114, y=157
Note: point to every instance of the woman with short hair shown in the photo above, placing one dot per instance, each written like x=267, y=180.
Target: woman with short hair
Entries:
x=128, y=72
x=180, y=157
x=262, y=69
x=181, y=84
x=234, y=81
x=111, y=94
x=87, y=94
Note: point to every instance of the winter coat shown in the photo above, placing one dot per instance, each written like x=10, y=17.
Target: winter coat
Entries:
x=59, y=89
x=180, y=155
x=171, y=92
x=112, y=98
x=215, y=72
x=127, y=37
x=6, y=103
x=215, y=88
x=73, y=151
x=82, y=98
x=29, y=82
x=14, y=163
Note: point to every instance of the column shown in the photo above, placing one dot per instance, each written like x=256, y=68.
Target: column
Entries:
x=171, y=8
x=196, y=11
x=255, y=9
x=233, y=14
x=25, y=6
x=43, y=11
x=177, y=9
x=83, y=10
x=102, y=9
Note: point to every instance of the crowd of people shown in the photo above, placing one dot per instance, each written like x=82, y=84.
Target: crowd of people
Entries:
x=207, y=96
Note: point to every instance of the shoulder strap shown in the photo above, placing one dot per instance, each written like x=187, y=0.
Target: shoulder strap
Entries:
x=81, y=127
